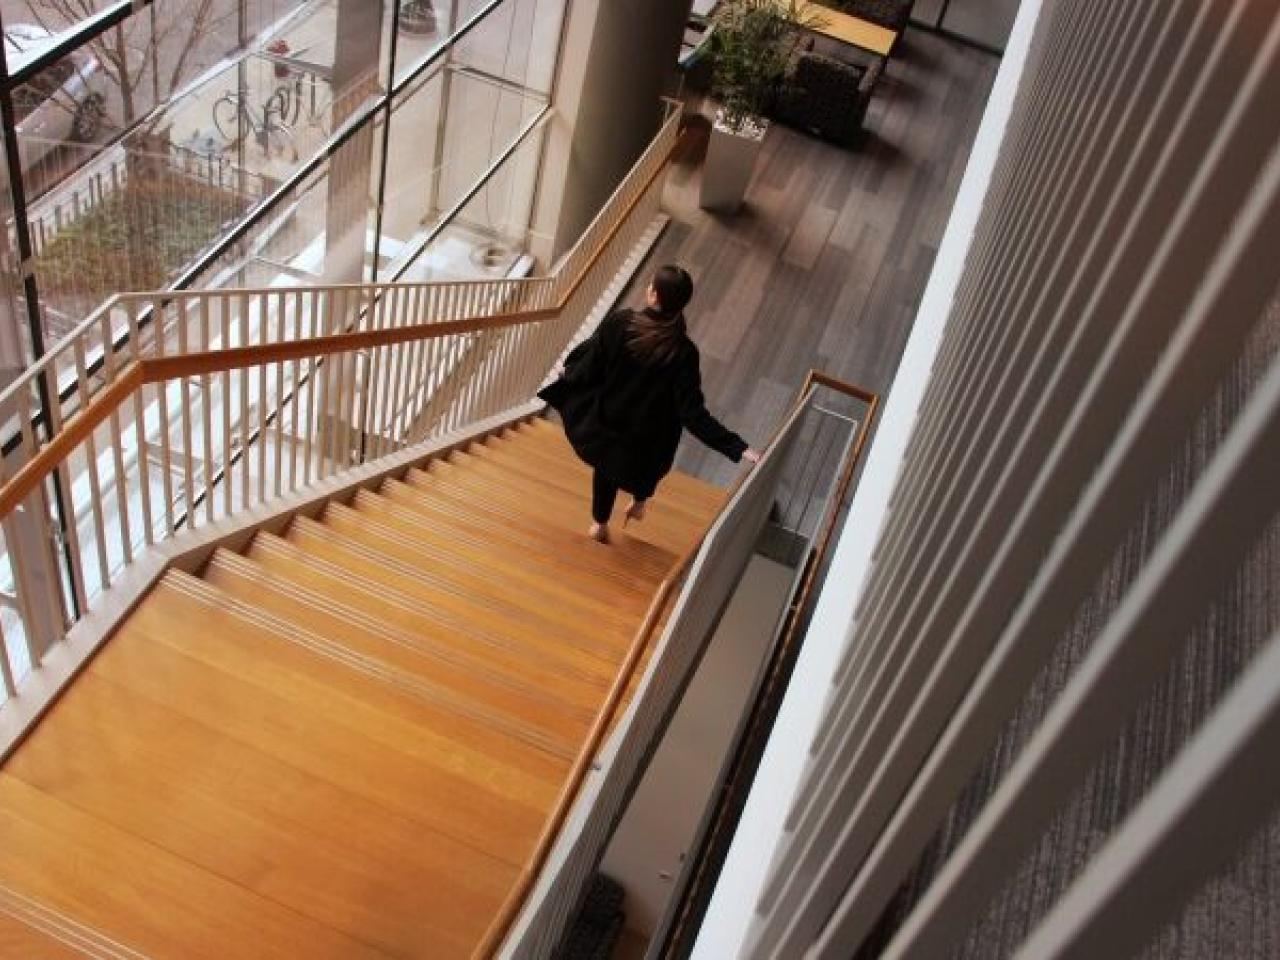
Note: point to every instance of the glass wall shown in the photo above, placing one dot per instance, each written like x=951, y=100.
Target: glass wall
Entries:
x=197, y=142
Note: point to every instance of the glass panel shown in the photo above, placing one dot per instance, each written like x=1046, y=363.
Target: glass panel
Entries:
x=424, y=26
x=409, y=208
x=436, y=155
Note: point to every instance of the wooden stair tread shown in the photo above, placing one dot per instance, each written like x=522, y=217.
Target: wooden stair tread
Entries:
x=324, y=852
x=511, y=455
x=508, y=508
x=285, y=561
x=218, y=654
x=473, y=679
x=495, y=563
x=400, y=505
x=346, y=740
x=474, y=510
x=667, y=538
x=395, y=558
x=58, y=855
x=333, y=561
x=671, y=516
x=541, y=433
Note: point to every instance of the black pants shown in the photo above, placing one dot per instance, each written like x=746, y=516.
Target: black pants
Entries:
x=604, y=493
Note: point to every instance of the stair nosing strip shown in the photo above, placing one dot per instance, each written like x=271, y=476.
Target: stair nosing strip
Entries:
x=321, y=647
x=388, y=632
x=63, y=928
x=493, y=605
x=586, y=607
x=397, y=598
x=420, y=494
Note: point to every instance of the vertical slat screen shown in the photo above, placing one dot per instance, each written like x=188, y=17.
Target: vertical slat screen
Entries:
x=1125, y=253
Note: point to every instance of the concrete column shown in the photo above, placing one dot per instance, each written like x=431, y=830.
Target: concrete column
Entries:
x=358, y=35
x=618, y=59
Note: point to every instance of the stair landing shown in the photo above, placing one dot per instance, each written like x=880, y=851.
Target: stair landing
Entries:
x=344, y=741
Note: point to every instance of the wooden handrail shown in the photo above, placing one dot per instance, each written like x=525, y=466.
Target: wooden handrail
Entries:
x=32, y=473
x=161, y=369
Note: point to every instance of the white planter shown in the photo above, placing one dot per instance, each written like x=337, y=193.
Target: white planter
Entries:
x=731, y=159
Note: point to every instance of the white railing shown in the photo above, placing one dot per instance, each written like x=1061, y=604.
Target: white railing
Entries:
x=191, y=407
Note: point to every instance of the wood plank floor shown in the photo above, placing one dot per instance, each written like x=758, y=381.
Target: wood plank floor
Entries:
x=826, y=263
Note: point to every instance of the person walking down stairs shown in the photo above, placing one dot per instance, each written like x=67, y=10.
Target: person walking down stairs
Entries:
x=626, y=393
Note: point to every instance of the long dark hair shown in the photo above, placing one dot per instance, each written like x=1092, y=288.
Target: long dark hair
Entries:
x=654, y=335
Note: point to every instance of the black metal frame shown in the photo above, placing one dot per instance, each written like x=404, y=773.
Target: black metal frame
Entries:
x=18, y=197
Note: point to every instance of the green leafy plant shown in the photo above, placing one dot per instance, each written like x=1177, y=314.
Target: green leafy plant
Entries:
x=751, y=45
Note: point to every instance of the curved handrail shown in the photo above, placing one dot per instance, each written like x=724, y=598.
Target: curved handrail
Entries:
x=605, y=718
x=153, y=370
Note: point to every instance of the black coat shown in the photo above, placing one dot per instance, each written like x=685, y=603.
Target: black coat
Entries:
x=624, y=417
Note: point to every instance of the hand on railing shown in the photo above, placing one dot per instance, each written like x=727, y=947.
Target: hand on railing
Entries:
x=751, y=455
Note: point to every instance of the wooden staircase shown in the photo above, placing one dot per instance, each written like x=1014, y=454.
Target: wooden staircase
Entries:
x=344, y=741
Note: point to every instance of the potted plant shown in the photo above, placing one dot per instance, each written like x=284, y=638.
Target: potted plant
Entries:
x=751, y=44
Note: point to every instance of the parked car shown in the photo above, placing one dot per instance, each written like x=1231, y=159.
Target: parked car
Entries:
x=64, y=102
